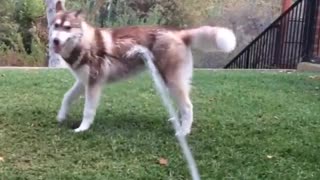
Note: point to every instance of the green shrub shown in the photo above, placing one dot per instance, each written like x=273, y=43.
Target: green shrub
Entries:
x=17, y=56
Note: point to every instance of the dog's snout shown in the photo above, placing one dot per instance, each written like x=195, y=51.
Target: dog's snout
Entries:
x=56, y=41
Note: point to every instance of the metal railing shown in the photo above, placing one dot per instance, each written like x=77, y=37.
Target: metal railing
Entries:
x=290, y=39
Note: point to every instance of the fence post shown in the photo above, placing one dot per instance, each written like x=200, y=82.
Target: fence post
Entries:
x=247, y=58
x=278, y=45
x=310, y=28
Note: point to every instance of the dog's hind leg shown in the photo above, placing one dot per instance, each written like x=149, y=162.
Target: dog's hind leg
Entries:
x=92, y=98
x=180, y=90
x=71, y=95
x=178, y=82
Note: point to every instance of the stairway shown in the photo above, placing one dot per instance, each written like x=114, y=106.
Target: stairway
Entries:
x=292, y=38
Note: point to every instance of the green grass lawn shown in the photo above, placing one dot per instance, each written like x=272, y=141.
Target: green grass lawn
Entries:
x=248, y=125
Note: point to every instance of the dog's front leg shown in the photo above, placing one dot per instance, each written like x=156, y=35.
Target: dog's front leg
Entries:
x=92, y=98
x=72, y=94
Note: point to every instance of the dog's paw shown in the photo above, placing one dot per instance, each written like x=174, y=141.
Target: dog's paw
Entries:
x=61, y=117
x=81, y=129
x=78, y=130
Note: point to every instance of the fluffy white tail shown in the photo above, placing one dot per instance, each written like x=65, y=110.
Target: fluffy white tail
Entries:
x=208, y=39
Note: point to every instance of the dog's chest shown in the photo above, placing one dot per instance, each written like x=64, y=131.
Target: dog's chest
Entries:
x=81, y=74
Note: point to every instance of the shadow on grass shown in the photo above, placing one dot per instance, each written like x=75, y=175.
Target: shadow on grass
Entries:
x=124, y=122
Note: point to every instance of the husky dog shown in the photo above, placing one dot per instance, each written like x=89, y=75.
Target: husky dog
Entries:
x=97, y=56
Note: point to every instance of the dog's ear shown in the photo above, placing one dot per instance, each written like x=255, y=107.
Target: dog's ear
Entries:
x=59, y=7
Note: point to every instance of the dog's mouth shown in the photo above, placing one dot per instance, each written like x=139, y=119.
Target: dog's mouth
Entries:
x=57, y=48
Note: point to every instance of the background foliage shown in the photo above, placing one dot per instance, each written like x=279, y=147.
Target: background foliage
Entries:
x=23, y=30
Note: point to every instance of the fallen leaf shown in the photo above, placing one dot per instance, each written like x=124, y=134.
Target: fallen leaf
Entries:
x=163, y=161
x=269, y=156
x=1, y=159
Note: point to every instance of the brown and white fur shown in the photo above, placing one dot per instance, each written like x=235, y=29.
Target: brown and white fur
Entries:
x=98, y=56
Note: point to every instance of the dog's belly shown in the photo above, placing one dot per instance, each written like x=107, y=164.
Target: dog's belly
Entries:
x=120, y=70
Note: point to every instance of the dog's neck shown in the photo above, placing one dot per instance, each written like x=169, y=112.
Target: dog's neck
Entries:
x=87, y=39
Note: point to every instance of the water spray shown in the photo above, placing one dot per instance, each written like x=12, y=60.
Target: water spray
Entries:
x=148, y=59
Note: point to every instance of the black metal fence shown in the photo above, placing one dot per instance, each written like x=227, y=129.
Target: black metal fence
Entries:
x=292, y=38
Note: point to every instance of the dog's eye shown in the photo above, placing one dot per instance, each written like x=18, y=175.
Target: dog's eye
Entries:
x=67, y=27
x=56, y=25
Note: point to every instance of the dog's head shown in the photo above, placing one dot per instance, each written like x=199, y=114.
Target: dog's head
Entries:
x=66, y=28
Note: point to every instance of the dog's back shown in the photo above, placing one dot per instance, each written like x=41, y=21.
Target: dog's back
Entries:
x=169, y=46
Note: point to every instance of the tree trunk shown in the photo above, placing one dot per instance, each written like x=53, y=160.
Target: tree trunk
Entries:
x=54, y=60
